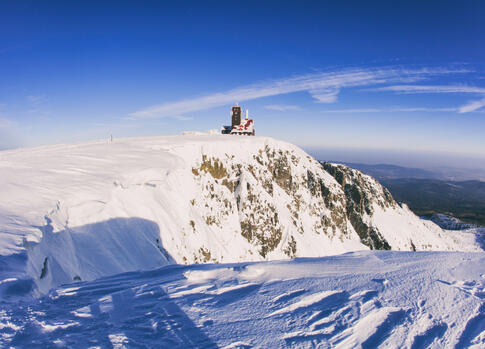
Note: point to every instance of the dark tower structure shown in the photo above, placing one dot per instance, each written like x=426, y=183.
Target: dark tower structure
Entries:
x=236, y=116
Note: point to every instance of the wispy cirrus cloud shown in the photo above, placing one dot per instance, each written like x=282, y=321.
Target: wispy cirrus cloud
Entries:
x=466, y=108
x=324, y=87
x=390, y=110
x=472, y=106
x=282, y=107
x=410, y=89
x=183, y=118
x=328, y=95
x=36, y=100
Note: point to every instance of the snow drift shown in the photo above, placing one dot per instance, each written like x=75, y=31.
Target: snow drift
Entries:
x=367, y=299
x=82, y=211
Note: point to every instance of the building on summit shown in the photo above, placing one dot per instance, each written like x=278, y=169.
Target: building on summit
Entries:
x=239, y=127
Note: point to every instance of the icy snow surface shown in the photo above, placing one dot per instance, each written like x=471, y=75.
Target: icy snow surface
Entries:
x=362, y=299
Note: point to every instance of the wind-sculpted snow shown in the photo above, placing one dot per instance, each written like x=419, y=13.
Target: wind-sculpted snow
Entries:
x=83, y=211
x=364, y=299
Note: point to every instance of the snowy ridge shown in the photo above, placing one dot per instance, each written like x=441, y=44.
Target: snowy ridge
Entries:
x=82, y=211
x=364, y=299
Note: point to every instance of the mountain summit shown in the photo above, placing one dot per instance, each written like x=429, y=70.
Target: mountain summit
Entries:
x=82, y=211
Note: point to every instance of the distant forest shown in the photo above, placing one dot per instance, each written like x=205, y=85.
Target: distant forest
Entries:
x=426, y=193
x=463, y=200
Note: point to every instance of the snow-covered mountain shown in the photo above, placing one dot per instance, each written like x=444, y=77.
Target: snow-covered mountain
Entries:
x=82, y=211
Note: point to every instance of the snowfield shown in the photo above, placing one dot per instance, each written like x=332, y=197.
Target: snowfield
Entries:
x=83, y=211
x=190, y=241
x=362, y=299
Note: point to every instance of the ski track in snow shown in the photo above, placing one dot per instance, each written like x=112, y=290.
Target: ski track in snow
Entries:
x=415, y=301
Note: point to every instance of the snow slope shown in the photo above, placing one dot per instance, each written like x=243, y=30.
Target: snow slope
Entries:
x=83, y=211
x=364, y=299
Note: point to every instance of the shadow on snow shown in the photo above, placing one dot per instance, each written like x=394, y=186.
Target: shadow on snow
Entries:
x=121, y=309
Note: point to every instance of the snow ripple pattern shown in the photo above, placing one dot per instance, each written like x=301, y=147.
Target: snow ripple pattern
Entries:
x=408, y=300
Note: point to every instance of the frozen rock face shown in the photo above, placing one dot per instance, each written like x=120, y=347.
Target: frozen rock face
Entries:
x=361, y=193
x=286, y=204
x=79, y=212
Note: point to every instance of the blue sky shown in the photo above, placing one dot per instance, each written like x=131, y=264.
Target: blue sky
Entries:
x=403, y=76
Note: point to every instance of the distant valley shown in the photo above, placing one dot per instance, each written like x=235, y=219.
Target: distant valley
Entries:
x=428, y=192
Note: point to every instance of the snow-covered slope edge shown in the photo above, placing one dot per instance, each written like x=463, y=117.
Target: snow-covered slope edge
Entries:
x=87, y=210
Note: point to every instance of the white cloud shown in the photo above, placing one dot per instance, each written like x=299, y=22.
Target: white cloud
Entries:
x=325, y=95
x=354, y=110
x=324, y=87
x=472, y=106
x=390, y=110
x=431, y=89
x=36, y=100
x=280, y=107
x=183, y=118
x=467, y=108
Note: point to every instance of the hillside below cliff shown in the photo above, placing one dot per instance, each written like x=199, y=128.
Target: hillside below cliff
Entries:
x=82, y=211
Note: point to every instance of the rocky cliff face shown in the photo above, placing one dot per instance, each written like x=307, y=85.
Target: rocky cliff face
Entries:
x=287, y=204
x=279, y=198
x=361, y=193
x=83, y=211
